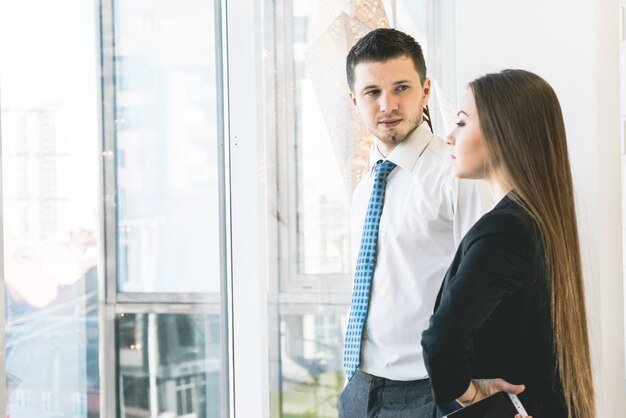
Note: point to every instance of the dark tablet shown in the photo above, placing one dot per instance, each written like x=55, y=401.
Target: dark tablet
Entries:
x=500, y=405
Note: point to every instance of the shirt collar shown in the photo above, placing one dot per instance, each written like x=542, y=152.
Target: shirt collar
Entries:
x=406, y=153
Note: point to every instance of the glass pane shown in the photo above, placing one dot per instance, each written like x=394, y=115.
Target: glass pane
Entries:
x=169, y=365
x=166, y=150
x=324, y=184
x=49, y=118
x=311, y=364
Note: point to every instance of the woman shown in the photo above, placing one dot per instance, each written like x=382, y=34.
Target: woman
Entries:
x=512, y=303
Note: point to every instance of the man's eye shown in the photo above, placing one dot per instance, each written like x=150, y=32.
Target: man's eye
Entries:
x=402, y=88
x=372, y=93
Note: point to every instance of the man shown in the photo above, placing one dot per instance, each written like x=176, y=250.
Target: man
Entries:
x=409, y=214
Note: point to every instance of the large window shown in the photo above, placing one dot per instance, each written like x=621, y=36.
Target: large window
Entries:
x=121, y=191
x=113, y=197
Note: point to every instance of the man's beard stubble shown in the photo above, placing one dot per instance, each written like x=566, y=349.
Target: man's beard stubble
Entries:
x=394, y=139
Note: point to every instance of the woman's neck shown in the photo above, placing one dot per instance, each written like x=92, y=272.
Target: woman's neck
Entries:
x=498, y=188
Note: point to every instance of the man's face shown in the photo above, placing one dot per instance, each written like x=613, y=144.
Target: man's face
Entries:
x=389, y=97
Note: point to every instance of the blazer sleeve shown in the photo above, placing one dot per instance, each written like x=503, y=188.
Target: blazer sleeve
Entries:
x=496, y=253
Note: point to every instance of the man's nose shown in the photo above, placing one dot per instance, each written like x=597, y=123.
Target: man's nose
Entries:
x=388, y=102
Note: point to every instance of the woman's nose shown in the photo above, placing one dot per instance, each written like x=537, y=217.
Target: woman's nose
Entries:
x=450, y=139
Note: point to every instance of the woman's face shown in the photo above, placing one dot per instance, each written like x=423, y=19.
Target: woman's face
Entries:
x=469, y=152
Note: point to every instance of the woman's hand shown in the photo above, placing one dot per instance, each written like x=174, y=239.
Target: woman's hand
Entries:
x=481, y=388
x=489, y=387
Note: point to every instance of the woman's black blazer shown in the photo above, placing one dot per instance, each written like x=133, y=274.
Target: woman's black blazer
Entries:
x=492, y=314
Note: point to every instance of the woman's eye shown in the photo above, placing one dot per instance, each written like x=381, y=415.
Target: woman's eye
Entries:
x=460, y=123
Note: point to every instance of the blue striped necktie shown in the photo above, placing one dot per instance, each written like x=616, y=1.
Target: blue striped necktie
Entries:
x=364, y=270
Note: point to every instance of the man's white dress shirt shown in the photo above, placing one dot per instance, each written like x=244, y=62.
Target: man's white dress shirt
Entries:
x=427, y=211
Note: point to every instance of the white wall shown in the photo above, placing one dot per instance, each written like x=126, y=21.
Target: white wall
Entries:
x=574, y=46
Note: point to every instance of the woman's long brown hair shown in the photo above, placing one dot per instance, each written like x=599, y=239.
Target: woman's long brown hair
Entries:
x=522, y=125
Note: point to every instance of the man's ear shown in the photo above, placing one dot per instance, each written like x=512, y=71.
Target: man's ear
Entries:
x=426, y=90
x=352, y=98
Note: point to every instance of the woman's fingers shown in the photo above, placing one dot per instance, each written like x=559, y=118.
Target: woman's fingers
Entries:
x=504, y=386
x=490, y=386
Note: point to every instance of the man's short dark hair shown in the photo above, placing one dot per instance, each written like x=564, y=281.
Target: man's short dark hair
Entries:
x=381, y=45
